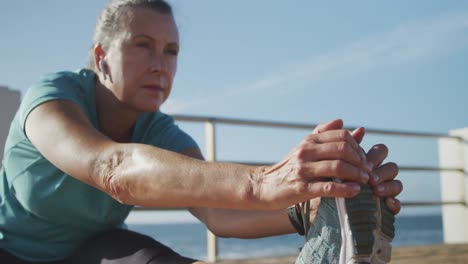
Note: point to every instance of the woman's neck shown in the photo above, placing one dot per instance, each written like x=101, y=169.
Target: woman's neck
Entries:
x=115, y=119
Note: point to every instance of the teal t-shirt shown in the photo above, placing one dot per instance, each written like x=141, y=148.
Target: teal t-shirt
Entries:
x=44, y=213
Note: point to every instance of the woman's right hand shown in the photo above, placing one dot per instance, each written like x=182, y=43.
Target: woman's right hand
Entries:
x=327, y=163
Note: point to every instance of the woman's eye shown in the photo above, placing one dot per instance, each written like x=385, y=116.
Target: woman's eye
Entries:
x=142, y=44
x=172, y=52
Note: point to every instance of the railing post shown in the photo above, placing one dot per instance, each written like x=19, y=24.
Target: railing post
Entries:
x=210, y=138
x=453, y=153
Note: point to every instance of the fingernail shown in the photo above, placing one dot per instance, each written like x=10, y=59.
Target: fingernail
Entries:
x=375, y=177
x=365, y=176
x=391, y=200
x=380, y=188
x=363, y=155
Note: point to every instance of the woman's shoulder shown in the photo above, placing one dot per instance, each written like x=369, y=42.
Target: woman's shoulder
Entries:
x=76, y=86
x=79, y=83
x=81, y=76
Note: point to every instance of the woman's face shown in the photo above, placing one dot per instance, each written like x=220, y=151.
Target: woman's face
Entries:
x=142, y=59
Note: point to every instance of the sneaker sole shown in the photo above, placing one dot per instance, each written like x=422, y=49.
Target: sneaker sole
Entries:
x=372, y=227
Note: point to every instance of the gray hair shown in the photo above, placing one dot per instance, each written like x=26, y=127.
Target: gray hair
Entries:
x=108, y=23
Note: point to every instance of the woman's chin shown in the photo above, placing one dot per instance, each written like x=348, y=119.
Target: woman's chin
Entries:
x=152, y=106
x=148, y=104
x=148, y=109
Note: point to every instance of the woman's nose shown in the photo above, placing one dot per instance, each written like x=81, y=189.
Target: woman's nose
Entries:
x=158, y=63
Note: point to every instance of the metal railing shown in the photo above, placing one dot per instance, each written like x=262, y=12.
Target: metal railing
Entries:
x=210, y=136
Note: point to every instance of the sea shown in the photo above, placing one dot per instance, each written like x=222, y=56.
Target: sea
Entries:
x=189, y=239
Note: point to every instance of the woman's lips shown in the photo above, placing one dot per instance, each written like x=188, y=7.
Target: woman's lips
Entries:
x=156, y=88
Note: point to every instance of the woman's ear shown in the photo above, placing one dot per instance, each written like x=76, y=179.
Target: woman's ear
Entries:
x=99, y=62
x=99, y=55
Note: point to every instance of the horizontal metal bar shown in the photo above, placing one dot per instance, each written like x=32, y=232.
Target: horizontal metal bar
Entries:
x=402, y=168
x=403, y=204
x=247, y=122
x=431, y=203
x=422, y=168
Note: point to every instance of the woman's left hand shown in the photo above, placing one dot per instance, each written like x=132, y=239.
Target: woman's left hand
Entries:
x=382, y=177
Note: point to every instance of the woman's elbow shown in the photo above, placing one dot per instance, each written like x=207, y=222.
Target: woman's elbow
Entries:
x=115, y=186
x=106, y=174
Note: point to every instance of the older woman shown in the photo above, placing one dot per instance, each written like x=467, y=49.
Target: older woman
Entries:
x=86, y=146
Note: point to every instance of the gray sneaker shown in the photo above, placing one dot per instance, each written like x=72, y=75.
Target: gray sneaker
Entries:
x=350, y=231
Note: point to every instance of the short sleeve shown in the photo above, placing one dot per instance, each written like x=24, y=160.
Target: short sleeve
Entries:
x=177, y=140
x=159, y=130
x=55, y=86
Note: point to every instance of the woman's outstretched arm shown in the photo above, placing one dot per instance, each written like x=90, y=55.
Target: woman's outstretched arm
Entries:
x=148, y=176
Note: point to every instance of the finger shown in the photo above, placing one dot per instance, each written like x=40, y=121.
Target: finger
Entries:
x=333, y=151
x=393, y=204
x=331, y=125
x=334, y=189
x=388, y=189
x=377, y=154
x=340, y=136
x=386, y=172
x=358, y=134
x=338, y=169
x=334, y=136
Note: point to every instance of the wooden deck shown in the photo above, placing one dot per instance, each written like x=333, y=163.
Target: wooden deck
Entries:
x=453, y=254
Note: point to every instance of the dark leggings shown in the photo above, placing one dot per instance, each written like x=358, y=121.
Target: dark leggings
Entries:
x=115, y=246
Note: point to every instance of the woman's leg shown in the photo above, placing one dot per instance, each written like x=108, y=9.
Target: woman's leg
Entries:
x=120, y=246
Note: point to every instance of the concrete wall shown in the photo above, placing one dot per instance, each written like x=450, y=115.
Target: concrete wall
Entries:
x=9, y=103
x=453, y=154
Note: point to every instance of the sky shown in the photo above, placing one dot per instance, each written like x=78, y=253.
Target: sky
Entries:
x=395, y=65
